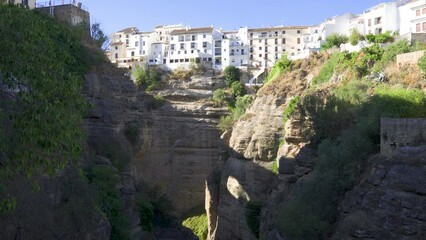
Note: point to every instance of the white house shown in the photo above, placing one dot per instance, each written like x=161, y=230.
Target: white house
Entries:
x=381, y=18
x=337, y=25
x=235, y=48
x=192, y=45
x=125, y=47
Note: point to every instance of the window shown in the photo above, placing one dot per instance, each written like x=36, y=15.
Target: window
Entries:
x=116, y=55
x=127, y=35
x=266, y=49
x=266, y=56
x=192, y=51
x=260, y=55
x=276, y=41
x=251, y=56
x=204, y=44
x=186, y=60
x=424, y=27
x=276, y=33
x=192, y=45
x=424, y=11
x=418, y=12
x=369, y=22
x=136, y=43
x=132, y=53
x=260, y=48
x=172, y=47
x=143, y=43
x=251, y=42
x=276, y=49
x=180, y=60
x=251, y=35
x=298, y=40
x=143, y=52
x=181, y=38
x=127, y=41
x=283, y=41
x=298, y=49
x=178, y=52
x=260, y=40
x=193, y=37
x=418, y=27
x=209, y=59
x=171, y=60
x=182, y=46
x=204, y=36
x=171, y=53
x=242, y=51
x=298, y=31
x=172, y=38
x=116, y=47
x=283, y=32
x=205, y=50
x=185, y=52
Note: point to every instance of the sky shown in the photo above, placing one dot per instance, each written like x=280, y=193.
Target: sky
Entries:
x=114, y=15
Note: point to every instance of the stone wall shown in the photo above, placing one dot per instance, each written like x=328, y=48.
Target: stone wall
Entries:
x=69, y=13
x=399, y=132
x=409, y=58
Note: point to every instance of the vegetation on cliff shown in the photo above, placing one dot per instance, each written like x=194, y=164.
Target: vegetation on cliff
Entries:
x=346, y=124
x=42, y=67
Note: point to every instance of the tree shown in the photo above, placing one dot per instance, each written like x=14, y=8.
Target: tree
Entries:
x=355, y=37
x=422, y=64
x=99, y=36
x=334, y=40
x=219, y=96
x=232, y=74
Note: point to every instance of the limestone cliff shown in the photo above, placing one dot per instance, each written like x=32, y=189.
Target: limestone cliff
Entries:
x=181, y=142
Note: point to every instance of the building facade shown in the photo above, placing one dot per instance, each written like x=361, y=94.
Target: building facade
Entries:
x=174, y=46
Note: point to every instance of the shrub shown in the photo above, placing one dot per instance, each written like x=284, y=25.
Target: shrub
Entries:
x=149, y=79
x=355, y=37
x=380, y=38
x=422, y=63
x=232, y=74
x=334, y=40
x=220, y=96
x=198, y=225
x=241, y=105
x=146, y=213
x=288, y=111
x=238, y=89
x=252, y=214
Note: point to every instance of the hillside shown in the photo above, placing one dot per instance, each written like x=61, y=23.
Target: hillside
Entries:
x=316, y=124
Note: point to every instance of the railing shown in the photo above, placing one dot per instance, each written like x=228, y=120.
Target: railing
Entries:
x=60, y=3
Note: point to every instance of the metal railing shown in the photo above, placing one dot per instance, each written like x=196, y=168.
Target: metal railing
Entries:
x=60, y=3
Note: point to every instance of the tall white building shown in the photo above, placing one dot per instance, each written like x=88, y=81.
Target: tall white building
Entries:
x=234, y=48
x=192, y=45
x=381, y=18
x=125, y=47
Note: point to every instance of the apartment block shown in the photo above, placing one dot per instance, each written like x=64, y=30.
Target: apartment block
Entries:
x=234, y=48
x=267, y=45
x=381, y=18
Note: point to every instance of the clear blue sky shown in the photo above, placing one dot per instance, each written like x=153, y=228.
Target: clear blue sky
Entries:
x=114, y=15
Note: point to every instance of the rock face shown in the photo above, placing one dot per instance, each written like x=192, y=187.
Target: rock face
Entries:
x=181, y=143
x=389, y=203
x=257, y=134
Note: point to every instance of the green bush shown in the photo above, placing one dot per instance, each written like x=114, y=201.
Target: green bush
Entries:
x=422, y=63
x=241, y=105
x=334, y=40
x=220, y=96
x=355, y=37
x=380, y=38
x=238, y=89
x=198, y=225
x=232, y=74
x=288, y=111
x=146, y=213
x=252, y=215
x=149, y=80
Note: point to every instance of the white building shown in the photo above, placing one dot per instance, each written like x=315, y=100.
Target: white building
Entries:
x=267, y=45
x=413, y=17
x=125, y=49
x=337, y=25
x=193, y=45
x=381, y=18
x=234, y=48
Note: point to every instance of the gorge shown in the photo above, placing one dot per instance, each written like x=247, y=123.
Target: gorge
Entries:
x=302, y=162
